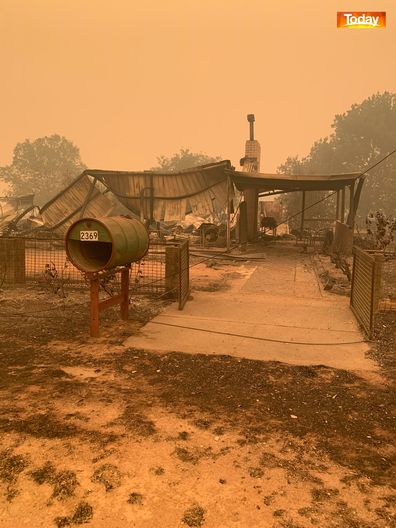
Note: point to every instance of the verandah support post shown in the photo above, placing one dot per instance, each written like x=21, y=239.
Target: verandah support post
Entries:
x=342, y=205
x=338, y=197
x=228, y=213
x=351, y=215
x=251, y=200
x=302, y=215
x=356, y=197
x=243, y=233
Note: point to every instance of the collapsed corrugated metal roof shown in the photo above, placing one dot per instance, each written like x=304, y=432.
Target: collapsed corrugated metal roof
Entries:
x=83, y=197
x=168, y=196
x=161, y=196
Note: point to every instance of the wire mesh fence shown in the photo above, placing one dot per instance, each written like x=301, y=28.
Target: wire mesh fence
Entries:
x=44, y=262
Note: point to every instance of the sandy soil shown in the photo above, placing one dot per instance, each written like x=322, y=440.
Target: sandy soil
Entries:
x=97, y=432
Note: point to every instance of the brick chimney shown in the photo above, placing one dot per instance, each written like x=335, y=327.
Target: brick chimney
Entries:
x=251, y=163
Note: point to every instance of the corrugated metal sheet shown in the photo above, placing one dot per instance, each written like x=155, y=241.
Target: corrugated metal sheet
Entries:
x=81, y=198
x=365, y=288
x=202, y=189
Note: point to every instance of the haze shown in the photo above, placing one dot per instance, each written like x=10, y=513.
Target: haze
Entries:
x=128, y=81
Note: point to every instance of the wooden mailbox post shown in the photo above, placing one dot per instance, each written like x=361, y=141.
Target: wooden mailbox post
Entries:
x=96, y=305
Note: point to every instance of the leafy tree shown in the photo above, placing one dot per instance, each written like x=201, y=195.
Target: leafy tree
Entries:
x=361, y=136
x=43, y=167
x=184, y=159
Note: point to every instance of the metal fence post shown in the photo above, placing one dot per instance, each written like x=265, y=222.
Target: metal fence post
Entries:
x=375, y=289
x=184, y=274
x=172, y=270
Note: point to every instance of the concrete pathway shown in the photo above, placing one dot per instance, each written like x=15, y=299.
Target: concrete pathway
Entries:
x=277, y=311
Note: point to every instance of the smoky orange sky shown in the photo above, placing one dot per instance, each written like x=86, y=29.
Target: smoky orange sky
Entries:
x=130, y=80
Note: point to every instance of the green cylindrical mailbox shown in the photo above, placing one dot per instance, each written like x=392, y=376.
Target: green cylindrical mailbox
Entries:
x=97, y=244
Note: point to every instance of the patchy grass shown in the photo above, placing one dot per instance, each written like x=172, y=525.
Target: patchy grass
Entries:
x=202, y=424
x=61, y=522
x=136, y=422
x=135, y=498
x=185, y=455
x=158, y=471
x=39, y=426
x=64, y=482
x=11, y=466
x=288, y=523
x=256, y=472
x=306, y=511
x=82, y=514
x=43, y=474
x=194, y=516
x=108, y=475
x=323, y=494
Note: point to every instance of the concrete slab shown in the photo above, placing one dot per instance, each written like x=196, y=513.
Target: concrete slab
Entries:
x=276, y=312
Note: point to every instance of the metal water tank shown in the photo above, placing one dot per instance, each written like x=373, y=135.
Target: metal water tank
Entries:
x=97, y=244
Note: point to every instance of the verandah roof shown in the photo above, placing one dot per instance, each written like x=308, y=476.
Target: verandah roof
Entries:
x=285, y=182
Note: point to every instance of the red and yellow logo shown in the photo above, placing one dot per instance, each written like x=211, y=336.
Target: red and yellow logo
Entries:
x=361, y=19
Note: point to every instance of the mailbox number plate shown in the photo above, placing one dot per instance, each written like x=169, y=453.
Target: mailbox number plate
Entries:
x=89, y=236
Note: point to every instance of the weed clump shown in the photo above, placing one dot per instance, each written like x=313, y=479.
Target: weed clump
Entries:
x=135, y=498
x=64, y=482
x=82, y=514
x=10, y=468
x=108, y=475
x=185, y=455
x=194, y=516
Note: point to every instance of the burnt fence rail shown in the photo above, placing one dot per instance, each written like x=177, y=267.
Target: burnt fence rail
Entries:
x=184, y=274
x=43, y=262
x=373, y=286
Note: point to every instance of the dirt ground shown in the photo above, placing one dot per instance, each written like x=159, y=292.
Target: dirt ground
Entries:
x=96, y=432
